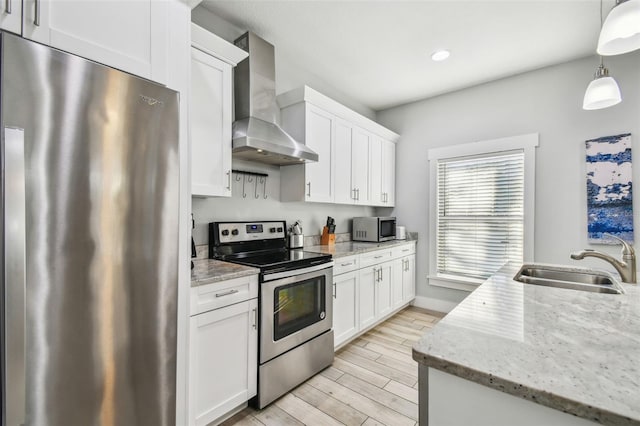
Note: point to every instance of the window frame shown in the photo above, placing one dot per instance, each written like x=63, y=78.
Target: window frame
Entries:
x=526, y=143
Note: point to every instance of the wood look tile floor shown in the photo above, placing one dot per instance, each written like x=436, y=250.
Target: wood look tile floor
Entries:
x=373, y=381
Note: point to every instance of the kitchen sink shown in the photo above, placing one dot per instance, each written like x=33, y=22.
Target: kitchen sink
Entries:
x=569, y=277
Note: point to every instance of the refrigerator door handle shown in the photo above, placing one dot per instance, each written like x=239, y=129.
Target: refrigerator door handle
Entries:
x=14, y=275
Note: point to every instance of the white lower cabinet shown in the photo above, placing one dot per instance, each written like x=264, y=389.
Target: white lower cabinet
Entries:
x=383, y=290
x=366, y=296
x=345, y=308
x=223, y=352
x=409, y=278
x=375, y=293
x=397, y=284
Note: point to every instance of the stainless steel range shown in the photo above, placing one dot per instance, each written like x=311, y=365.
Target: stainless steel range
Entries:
x=295, y=302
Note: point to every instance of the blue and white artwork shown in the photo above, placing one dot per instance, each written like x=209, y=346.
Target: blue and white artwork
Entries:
x=609, y=194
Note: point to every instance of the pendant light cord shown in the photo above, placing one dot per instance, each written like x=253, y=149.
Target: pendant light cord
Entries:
x=601, y=57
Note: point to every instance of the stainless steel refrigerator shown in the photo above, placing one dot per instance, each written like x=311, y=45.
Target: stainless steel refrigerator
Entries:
x=89, y=242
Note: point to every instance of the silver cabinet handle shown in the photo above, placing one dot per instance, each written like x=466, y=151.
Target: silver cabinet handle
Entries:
x=353, y=193
x=227, y=293
x=405, y=250
x=378, y=257
x=229, y=180
x=255, y=318
x=36, y=20
x=335, y=290
x=7, y=7
x=346, y=264
x=358, y=192
x=14, y=275
x=309, y=191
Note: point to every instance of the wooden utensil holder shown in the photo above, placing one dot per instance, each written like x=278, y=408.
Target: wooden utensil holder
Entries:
x=327, y=239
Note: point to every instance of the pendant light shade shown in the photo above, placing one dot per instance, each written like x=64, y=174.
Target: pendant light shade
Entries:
x=621, y=30
x=602, y=92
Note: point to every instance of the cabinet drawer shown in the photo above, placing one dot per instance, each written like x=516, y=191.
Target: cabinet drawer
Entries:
x=374, y=257
x=345, y=264
x=224, y=293
x=404, y=250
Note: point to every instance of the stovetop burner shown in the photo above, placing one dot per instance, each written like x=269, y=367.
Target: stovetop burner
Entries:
x=278, y=260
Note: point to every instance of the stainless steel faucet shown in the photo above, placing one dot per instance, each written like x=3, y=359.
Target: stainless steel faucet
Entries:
x=626, y=267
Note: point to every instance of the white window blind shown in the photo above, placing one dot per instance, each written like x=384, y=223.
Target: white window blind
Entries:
x=480, y=214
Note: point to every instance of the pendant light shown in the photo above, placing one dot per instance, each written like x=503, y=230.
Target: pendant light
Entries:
x=603, y=91
x=620, y=32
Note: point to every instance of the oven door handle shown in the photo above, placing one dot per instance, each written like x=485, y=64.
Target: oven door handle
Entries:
x=296, y=272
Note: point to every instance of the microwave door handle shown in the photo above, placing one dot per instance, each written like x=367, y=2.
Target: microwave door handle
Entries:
x=14, y=258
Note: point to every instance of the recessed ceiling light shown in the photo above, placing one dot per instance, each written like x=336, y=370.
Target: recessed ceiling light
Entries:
x=440, y=55
x=259, y=150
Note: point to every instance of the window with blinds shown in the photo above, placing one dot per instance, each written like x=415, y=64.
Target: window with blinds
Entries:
x=480, y=214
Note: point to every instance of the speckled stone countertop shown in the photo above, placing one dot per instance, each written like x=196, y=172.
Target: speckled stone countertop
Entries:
x=355, y=247
x=207, y=271
x=575, y=351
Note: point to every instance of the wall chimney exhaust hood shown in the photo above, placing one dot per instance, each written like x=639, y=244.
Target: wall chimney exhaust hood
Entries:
x=256, y=135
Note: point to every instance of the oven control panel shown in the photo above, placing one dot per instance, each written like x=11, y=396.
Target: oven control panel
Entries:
x=233, y=232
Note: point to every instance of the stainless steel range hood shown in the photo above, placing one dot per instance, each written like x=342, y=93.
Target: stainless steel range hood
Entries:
x=256, y=135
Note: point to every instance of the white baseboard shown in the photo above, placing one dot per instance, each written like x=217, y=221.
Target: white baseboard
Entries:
x=434, y=304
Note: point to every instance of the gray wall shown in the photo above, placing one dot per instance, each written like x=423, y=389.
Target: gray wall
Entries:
x=289, y=75
x=547, y=101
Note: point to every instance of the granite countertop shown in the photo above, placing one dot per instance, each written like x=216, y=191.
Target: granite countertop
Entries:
x=207, y=271
x=355, y=247
x=575, y=351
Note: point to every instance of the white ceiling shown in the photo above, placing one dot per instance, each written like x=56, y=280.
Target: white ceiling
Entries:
x=378, y=52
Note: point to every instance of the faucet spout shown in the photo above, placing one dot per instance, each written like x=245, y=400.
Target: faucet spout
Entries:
x=625, y=267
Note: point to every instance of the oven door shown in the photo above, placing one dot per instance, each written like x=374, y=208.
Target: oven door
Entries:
x=294, y=309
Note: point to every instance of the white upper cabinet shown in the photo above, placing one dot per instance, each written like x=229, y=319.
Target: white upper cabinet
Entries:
x=344, y=189
x=11, y=16
x=210, y=120
x=312, y=181
x=360, y=165
x=388, y=173
x=344, y=173
x=129, y=35
x=210, y=112
x=382, y=172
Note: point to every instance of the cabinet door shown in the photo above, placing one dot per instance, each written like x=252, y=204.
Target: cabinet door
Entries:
x=210, y=121
x=344, y=188
x=345, y=313
x=409, y=278
x=375, y=171
x=128, y=35
x=360, y=165
x=388, y=173
x=383, y=290
x=367, y=296
x=222, y=360
x=11, y=16
x=319, y=137
x=397, y=287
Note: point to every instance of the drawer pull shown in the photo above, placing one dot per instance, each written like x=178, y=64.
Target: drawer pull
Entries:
x=378, y=257
x=227, y=293
x=346, y=264
x=405, y=250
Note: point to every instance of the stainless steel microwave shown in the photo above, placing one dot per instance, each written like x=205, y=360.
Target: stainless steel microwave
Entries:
x=374, y=229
